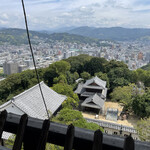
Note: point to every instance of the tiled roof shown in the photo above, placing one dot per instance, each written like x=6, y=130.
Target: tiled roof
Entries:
x=94, y=101
x=96, y=80
x=31, y=102
x=79, y=89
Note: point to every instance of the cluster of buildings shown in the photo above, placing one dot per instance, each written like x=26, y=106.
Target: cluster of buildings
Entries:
x=135, y=54
x=15, y=59
x=92, y=95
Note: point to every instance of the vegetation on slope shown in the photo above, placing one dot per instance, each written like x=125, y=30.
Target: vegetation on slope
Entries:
x=18, y=37
x=61, y=76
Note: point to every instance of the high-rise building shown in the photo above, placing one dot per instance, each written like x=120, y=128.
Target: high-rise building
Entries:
x=29, y=63
x=10, y=67
x=140, y=56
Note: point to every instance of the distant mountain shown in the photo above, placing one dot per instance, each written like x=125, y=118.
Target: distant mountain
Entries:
x=66, y=37
x=18, y=36
x=58, y=30
x=63, y=29
x=113, y=33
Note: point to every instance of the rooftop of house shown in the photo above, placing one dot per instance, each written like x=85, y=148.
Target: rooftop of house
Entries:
x=94, y=101
x=31, y=102
x=98, y=84
x=97, y=81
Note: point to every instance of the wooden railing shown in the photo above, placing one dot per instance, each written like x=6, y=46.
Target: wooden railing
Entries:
x=34, y=134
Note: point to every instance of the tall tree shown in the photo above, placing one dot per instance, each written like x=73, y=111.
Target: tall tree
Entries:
x=77, y=62
x=141, y=105
x=75, y=117
x=85, y=75
x=95, y=65
x=65, y=89
x=124, y=95
x=54, y=70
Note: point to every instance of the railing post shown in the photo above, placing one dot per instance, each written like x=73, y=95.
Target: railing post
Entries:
x=44, y=135
x=69, y=138
x=98, y=139
x=20, y=132
x=37, y=140
x=3, y=117
x=129, y=143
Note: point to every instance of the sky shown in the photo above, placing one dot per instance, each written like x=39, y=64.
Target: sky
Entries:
x=53, y=14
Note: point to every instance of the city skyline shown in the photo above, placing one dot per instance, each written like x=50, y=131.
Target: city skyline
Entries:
x=52, y=14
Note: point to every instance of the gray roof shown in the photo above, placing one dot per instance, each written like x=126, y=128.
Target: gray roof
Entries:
x=112, y=114
x=96, y=80
x=94, y=101
x=79, y=89
x=31, y=102
x=104, y=93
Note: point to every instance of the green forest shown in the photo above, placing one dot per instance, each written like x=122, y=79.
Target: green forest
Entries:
x=16, y=36
x=62, y=74
x=130, y=88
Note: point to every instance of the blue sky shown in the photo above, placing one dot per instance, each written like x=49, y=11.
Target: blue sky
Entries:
x=50, y=14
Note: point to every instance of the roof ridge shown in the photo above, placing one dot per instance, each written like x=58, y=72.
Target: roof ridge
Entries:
x=26, y=91
x=5, y=104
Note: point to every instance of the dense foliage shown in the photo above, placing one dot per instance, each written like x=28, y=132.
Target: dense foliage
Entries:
x=70, y=116
x=17, y=83
x=141, y=105
x=125, y=86
x=65, y=89
x=144, y=129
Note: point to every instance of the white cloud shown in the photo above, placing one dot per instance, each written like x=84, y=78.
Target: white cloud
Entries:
x=58, y=13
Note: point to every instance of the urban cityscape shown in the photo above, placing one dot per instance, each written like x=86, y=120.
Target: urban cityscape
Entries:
x=75, y=75
x=15, y=59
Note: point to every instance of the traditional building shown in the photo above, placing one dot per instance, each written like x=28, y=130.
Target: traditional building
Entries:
x=92, y=94
x=31, y=102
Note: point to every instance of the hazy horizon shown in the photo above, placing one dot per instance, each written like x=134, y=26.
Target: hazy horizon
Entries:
x=55, y=14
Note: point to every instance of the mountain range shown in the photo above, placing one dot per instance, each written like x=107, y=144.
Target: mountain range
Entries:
x=113, y=33
x=83, y=34
x=18, y=36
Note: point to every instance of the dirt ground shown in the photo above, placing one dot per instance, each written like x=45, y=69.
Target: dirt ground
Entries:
x=131, y=121
x=113, y=105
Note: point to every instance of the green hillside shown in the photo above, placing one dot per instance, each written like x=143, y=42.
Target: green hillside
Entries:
x=18, y=36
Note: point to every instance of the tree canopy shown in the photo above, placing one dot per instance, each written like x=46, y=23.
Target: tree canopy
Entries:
x=70, y=116
x=61, y=76
x=65, y=89
x=95, y=65
x=141, y=105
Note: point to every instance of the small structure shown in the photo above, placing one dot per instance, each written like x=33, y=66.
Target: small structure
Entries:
x=112, y=114
x=92, y=94
x=31, y=102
